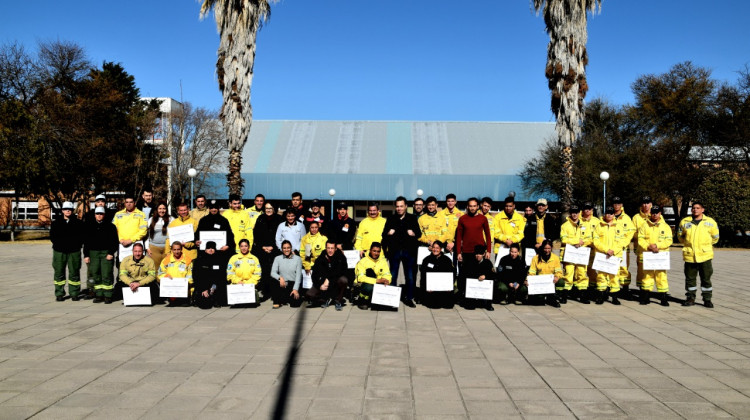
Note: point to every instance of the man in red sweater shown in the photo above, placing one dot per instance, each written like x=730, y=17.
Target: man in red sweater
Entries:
x=472, y=228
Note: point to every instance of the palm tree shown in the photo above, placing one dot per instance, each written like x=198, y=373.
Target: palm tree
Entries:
x=238, y=22
x=565, y=22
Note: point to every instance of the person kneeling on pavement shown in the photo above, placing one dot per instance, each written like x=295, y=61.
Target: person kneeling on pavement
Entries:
x=177, y=265
x=369, y=271
x=436, y=262
x=209, y=274
x=479, y=268
x=329, y=277
x=545, y=262
x=138, y=270
x=511, y=273
x=286, y=272
x=244, y=268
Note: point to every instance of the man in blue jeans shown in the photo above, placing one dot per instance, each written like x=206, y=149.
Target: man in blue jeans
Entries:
x=400, y=241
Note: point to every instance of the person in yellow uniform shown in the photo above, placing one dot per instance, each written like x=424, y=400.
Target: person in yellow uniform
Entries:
x=639, y=220
x=609, y=239
x=239, y=221
x=573, y=233
x=177, y=265
x=654, y=236
x=370, y=230
x=589, y=222
x=370, y=270
x=545, y=262
x=244, y=267
x=200, y=209
x=256, y=209
x=628, y=229
x=509, y=225
x=183, y=218
x=432, y=224
x=135, y=271
x=130, y=223
x=450, y=215
x=311, y=246
x=485, y=207
x=698, y=233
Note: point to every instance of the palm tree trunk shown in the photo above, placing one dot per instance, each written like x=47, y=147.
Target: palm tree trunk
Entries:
x=566, y=156
x=234, y=177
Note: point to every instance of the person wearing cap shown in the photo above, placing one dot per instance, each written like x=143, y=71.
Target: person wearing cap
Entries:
x=239, y=221
x=432, y=224
x=450, y=216
x=655, y=236
x=314, y=215
x=477, y=267
x=291, y=230
x=264, y=244
x=589, y=222
x=400, y=241
x=609, y=239
x=200, y=209
x=130, y=222
x=509, y=225
x=698, y=233
x=244, y=268
x=369, y=271
x=183, y=219
x=628, y=229
x=436, y=262
x=547, y=225
x=209, y=276
x=99, y=249
x=342, y=228
x=576, y=234
x=370, y=230
x=286, y=277
x=177, y=264
x=639, y=220
x=90, y=217
x=544, y=263
x=138, y=270
x=471, y=232
x=311, y=246
x=257, y=209
x=329, y=278
x=157, y=232
x=66, y=234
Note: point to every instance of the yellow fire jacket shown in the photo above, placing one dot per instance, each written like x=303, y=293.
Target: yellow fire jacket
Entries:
x=176, y=268
x=627, y=226
x=508, y=228
x=451, y=223
x=196, y=214
x=433, y=228
x=573, y=233
x=610, y=236
x=130, y=226
x=243, y=269
x=143, y=271
x=370, y=230
x=540, y=267
x=698, y=239
x=379, y=266
x=638, y=221
x=491, y=222
x=654, y=233
x=241, y=226
x=317, y=245
x=188, y=248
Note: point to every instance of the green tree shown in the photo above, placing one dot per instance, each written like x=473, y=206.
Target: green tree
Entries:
x=238, y=22
x=726, y=196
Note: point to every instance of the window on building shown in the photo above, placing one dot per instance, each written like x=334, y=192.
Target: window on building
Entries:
x=27, y=210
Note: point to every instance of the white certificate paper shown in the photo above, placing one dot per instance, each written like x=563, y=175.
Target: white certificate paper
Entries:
x=659, y=261
x=609, y=265
x=238, y=294
x=476, y=289
x=142, y=296
x=541, y=285
x=352, y=258
x=439, y=282
x=220, y=237
x=422, y=253
x=530, y=253
x=578, y=256
x=306, y=280
x=503, y=251
x=175, y=287
x=182, y=234
x=386, y=295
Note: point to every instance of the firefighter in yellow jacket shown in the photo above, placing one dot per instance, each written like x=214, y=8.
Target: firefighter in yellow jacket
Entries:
x=244, y=268
x=432, y=224
x=574, y=233
x=450, y=216
x=509, y=225
x=609, y=238
x=639, y=220
x=654, y=236
x=183, y=218
x=370, y=270
x=311, y=246
x=626, y=225
x=135, y=271
x=698, y=233
x=177, y=265
x=130, y=223
x=239, y=221
x=370, y=230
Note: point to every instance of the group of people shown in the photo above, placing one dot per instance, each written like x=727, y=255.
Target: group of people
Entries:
x=301, y=255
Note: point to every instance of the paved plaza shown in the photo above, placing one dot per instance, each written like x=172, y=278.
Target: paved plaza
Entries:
x=85, y=360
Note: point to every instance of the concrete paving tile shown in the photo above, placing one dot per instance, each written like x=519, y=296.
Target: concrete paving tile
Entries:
x=723, y=395
x=497, y=408
x=697, y=410
x=379, y=406
x=627, y=394
x=647, y=409
x=233, y=404
x=596, y=410
x=580, y=395
x=335, y=405
x=117, y=413
x=545, y=408
x=433, y=392
x=484, y=394
x=57, y=412
x=439, y=407
x=21, y=412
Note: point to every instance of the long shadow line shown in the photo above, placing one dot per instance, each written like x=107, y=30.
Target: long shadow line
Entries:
x=286, y=385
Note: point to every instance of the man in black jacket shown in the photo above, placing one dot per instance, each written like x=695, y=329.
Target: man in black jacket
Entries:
x=264, y=245
x=89, y=217
x=66, y=234
x=400, y=241
x=209, y=277
x=329, y=277
x=341, y=229
x=100, y=244
x=511, y=274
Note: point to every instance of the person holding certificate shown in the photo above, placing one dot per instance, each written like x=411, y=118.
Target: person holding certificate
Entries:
x=654, y=236
x=286, y=274
x=138, y=270
x=188, y=244
x=369, y=271
x=545, y=262
x=575, y=234
x=609, y=239
x=479, y=268
x=243, y=267
x=311, y=246
x=436, y=262
x=511, y=272
x=177, y=265
x=625, y=223
x=209, y=276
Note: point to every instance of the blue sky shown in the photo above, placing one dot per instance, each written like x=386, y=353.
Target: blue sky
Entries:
x=391, y=60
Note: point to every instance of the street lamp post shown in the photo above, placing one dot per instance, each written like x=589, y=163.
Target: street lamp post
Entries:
x=192, y=173
x=604, y=176
x=332, y=193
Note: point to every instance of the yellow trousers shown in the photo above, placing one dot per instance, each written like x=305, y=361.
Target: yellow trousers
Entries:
x=653, y=276
x=576, y=275
x=605, y=279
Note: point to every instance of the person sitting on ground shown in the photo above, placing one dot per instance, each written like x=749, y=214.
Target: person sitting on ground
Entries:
x=436, y=262
x=177, y=264
x=244, y=268
x=545, y=262
x=369, y=271
x=479, y=268
x=138, y=270
x=511, y=273
x=209, y=275
x=286, y=274
x=329, y=277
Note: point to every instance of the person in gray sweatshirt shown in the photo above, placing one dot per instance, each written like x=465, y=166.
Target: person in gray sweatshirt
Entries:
x=287, y=271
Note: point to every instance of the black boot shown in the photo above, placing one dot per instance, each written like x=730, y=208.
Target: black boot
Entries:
x=645, y=300
x=600, y=297
x=563, y=296
x=615, y=301
x=584, y=296
x=552, y=301
x=664, y=299
x=625, y=294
